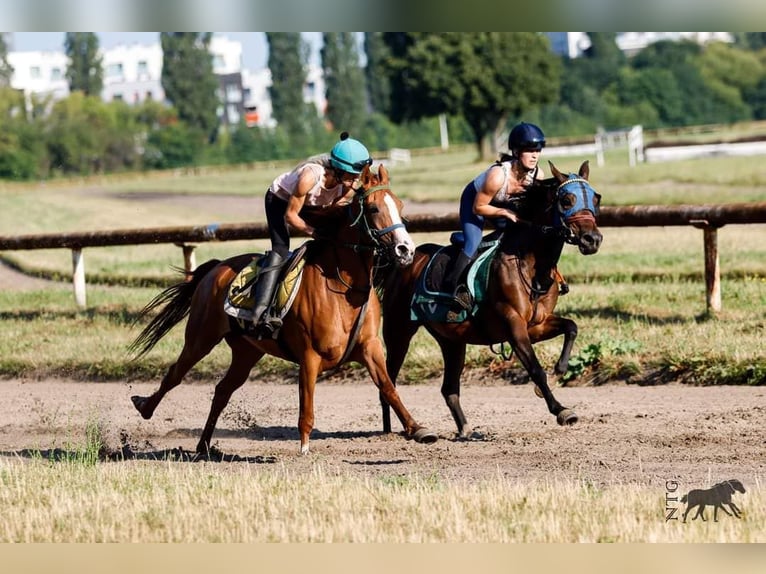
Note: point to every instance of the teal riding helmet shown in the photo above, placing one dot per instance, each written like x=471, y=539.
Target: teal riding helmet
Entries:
x=349, y=155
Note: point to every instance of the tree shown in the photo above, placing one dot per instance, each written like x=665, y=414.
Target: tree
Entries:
x=6, y=70
x=188, y=79
x=288, y=55
x=378, y=84
x=344, y=82
x=487, y=77
x=84, y=72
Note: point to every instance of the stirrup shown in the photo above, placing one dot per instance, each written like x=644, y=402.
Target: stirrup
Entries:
x=462, y=298
x=269, y=327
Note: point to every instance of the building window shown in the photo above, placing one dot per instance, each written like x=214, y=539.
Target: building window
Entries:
x=55, y=74
x=233, y=93
x=117, y=97
x=218, y=62
x=114, y=70
x=142, y=70
x=34, y=72
x=234, y=115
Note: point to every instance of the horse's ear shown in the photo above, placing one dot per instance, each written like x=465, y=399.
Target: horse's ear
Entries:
x=585, y=169
x=366, y=176
x=556, y=173
x=383, y=174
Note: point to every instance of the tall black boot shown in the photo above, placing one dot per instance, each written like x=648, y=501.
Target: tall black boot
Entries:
x=264, y=292
x=453, y=284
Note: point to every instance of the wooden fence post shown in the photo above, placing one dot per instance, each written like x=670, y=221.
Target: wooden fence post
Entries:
x=190, y=260
x=78, y=277
x=712, y=265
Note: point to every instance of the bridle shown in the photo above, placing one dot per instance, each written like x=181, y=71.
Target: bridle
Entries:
x=374, y=235
x=584, y=208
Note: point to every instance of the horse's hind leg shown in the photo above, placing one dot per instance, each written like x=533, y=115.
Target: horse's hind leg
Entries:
x=453, y=354
x=397, y=336
x=243, y=359
x=195, y=349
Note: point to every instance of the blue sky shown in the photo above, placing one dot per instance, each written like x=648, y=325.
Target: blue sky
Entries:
x=254, y=46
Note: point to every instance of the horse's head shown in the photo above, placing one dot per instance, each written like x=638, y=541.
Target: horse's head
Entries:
x=380, y=216
x=576, y=207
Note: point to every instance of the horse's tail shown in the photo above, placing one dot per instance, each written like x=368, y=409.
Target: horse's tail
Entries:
x=177, y=303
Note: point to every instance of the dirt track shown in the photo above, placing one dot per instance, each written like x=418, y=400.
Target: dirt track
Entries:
x=648, y=435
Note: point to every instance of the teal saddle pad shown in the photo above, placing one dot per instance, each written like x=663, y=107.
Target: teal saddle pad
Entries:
x=432, y=304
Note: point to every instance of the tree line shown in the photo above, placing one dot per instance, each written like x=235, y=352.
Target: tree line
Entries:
x=387, y=90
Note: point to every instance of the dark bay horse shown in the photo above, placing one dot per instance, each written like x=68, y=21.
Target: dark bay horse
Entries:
x=560, y=209
x=334, y=318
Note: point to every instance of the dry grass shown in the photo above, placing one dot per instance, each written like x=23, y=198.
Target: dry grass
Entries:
x=208, y=502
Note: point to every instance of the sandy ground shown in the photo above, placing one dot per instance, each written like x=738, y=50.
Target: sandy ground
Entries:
x=646, y=435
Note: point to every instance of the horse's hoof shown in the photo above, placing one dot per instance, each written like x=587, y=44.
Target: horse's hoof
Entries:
x=566, y=417
x=538, y=392
x=304, y=449
x=424, y=436
x=139, y=403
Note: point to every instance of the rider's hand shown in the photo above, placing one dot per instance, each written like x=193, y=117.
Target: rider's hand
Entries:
x=511, y=216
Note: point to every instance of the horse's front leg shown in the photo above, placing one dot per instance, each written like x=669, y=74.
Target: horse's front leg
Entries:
x=522, y=346
x=554, y=326
x=307, y=378
x=374, y=360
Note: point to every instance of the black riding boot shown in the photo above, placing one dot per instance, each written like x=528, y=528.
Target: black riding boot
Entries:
x=452, y=281
x=264, y=293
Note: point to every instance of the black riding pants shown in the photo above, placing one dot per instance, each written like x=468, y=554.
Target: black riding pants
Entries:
x=276, y=208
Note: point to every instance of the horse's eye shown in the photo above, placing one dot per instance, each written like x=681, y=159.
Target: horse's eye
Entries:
x=567, y=201
x=373, y=209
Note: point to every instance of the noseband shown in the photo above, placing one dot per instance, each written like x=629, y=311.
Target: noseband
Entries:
x=373, y=234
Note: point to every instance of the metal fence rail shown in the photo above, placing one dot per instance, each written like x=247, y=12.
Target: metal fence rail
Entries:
x=706, y=217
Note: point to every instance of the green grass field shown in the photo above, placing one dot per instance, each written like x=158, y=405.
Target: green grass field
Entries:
x=639, y=302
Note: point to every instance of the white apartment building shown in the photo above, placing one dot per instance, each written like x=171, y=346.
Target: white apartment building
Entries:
x=41, y=73
x=574, y=44
x=133, y=74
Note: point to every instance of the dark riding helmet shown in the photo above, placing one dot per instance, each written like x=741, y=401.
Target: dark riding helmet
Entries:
x=526, y=136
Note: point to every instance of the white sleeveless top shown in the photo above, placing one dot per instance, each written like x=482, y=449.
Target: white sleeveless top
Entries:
x=502, y=195
x=284, y=185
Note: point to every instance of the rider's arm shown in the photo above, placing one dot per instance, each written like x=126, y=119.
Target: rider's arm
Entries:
x=306, y=182
x=492, y=184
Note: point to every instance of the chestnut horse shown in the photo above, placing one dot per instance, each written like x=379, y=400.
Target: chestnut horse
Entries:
x=560, y=209
x=334, y=318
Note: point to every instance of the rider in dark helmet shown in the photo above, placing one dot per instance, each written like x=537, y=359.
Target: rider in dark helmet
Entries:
x=320, y=180
x=487, y=195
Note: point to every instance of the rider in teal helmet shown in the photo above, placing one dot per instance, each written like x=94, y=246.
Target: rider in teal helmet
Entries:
x=320, y=180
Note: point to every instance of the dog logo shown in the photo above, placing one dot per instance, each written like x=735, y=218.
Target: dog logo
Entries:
x=718, y=496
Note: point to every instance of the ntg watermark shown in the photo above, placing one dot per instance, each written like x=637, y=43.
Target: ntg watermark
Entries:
x=719, y=496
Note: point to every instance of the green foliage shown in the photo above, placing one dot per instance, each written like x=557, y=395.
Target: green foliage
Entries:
x=84, y=72
x=287, y=61
x=174, y=145
x=344, y=82
x=189, y=81
x=591, y=355
x=6, y=70
x=21, y=140
x=378, y=83
x=488, y=77
x=86, y=135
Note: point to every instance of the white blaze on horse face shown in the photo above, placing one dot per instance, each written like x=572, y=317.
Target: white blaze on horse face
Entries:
x=404, y=246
